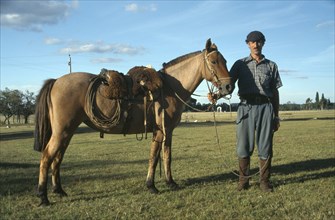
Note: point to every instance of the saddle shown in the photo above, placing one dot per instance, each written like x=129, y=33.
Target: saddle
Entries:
x=144, y=79
x=140, y=83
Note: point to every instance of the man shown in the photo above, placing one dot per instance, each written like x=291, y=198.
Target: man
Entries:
x=257, y=115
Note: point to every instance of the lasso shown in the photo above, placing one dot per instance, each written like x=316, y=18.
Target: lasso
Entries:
x=93, y=111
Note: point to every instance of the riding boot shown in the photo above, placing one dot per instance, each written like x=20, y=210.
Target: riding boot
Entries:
x=265, y=169
x=244, y=168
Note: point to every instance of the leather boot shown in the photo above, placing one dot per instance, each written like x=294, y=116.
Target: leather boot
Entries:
x=244, y=168
x=265, y=169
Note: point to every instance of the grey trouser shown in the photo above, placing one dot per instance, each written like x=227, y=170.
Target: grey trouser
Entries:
x=254, y=124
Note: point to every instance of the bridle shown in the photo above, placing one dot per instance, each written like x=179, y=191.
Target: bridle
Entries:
x=217, y=82
x=208, y=65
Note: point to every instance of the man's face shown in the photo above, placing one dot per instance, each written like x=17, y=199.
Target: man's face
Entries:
x=255, y=47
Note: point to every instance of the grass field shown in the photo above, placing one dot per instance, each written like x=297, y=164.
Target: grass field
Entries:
x=105, y=178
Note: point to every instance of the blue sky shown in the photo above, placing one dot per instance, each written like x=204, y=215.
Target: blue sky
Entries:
x=37, y=36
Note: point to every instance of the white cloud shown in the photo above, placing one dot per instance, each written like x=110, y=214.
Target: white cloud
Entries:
x=286, y=71
x=33, y=15
x=133, y=7
x=101, y=47
x=292, y=74
x=52, y=41
x=326, y=24
x=106, y=60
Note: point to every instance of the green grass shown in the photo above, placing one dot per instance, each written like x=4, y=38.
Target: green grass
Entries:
x=105, y=178
x=231, y=116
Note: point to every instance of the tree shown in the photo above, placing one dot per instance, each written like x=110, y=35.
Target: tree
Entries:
x=10, y=102
x=4, y=105
x=323, y=102
x=28, y=105
x=16, y=103
x=317, y=100
x=308, y=103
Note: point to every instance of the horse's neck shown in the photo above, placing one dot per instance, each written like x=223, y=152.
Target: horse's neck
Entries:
x=187, y=76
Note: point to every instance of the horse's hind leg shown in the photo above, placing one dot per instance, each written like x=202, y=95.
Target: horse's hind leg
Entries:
x=56, y=181
x=48, y=156
x=51, y=156
x=43, y=179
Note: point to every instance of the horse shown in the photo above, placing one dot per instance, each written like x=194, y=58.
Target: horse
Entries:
x=61, y=107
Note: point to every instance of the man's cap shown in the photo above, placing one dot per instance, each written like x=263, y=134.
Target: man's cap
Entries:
x=255, y=36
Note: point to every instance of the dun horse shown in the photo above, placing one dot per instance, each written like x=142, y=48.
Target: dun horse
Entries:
x=61, y=108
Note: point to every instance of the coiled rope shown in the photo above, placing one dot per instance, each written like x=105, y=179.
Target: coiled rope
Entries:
x=93, y=111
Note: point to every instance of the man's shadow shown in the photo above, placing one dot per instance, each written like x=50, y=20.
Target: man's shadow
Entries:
x=312, y=166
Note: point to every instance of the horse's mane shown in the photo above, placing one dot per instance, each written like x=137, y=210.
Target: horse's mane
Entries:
x=180, y=59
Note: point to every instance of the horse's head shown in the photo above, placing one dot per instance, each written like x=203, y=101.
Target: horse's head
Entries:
x=216, y=69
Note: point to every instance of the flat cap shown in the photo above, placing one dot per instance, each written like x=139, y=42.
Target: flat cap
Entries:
x=255, y=36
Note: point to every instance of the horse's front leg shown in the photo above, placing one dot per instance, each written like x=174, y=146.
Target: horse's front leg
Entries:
x=167, y=162
x=155, y=149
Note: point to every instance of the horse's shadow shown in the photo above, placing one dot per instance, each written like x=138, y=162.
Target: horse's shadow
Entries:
x=312, y=166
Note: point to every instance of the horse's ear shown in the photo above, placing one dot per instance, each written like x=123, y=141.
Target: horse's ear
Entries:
x=208, y=44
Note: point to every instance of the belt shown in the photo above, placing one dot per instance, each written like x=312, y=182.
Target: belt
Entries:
x=254, y=99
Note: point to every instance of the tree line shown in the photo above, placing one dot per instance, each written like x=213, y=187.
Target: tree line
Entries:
x=16, y=103
x=20, y=105
x=310, y=104
x=319, y=103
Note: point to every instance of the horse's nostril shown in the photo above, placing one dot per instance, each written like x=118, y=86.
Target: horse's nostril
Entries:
x=228, y=87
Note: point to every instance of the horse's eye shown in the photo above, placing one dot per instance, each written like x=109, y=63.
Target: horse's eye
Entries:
x=213, y=62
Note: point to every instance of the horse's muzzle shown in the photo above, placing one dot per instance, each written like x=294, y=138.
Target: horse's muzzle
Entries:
x=225, y=89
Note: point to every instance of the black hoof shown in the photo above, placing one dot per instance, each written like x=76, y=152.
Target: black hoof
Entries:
x=153, y=190
x=59, y=191
x=173, y=185
x=44, y=202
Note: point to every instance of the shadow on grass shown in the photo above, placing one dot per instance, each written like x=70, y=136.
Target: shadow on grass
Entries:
x=16, y=135
x=23, y=177
x=7, y=165
x=30, y=134
x=19, y=178
x=302, y=166
x=310, y=166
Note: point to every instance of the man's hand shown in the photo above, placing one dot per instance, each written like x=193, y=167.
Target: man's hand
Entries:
x=276, y=124
x=212, y=97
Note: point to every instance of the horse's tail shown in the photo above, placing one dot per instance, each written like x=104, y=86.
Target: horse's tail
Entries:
x=42, y=119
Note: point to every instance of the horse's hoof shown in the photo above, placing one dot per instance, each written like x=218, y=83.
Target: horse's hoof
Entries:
x=44, y=203
x=173, y=185
x=59, y=191
x=153, y=190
